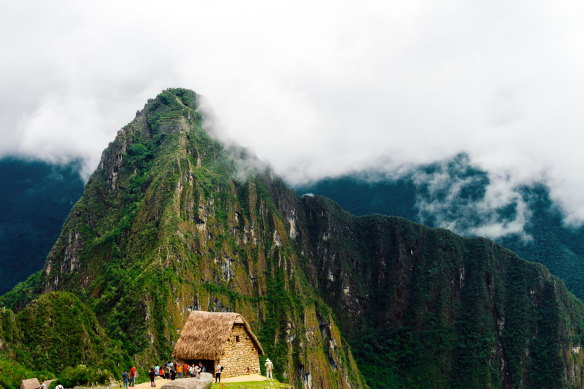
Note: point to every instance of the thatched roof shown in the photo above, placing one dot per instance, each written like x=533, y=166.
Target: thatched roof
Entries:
x=31, y=383
x=205, y=333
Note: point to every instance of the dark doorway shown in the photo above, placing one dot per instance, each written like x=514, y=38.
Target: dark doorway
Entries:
x=208, y=364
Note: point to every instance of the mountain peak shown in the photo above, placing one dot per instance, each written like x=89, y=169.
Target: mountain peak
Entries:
x=167, y=221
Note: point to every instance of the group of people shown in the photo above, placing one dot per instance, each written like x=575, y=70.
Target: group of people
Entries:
x=174, y=370
x=169, y=371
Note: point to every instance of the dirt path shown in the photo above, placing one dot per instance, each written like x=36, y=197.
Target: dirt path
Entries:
x=245, y=378
x=158, y=381
x=242, y=378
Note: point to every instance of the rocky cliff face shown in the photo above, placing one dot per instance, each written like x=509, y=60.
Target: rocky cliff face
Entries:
x=169, y=224
x=444, y=311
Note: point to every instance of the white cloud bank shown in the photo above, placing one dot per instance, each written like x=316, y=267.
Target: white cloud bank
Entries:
x=313, y=87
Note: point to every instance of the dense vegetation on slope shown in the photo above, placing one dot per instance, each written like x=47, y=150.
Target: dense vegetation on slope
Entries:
x=165, y=227
x=424, y=305
x=35, y=198
x=56, y=331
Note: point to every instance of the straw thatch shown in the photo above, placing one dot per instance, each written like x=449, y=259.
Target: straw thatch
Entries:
x=31, y=383
x=205, y=333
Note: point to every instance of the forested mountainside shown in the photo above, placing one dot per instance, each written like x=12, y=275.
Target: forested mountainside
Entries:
x=35, y=199
x=452, y=193
x=173, y=221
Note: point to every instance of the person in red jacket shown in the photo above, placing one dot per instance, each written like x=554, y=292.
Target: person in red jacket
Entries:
x=132, y=376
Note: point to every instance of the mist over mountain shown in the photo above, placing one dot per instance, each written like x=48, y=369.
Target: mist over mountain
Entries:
x=35, y=199
x=457, y=195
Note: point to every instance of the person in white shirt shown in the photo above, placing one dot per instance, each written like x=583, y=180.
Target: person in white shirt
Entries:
x=218, y=369
x=269, y=368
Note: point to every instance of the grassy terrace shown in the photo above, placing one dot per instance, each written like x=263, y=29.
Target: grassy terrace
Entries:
x=251, y=385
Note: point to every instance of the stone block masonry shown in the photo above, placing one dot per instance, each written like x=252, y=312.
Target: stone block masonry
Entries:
x=240, y=352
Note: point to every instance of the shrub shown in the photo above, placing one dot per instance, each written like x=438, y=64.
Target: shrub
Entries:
x=12, y=373
x=83, y=375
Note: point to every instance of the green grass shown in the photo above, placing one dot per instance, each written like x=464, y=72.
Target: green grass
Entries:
x=251, y=385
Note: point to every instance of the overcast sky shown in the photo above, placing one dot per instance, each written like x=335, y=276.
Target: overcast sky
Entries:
x=313, y=87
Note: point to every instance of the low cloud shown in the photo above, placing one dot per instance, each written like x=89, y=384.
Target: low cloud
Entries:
x=246, y=163
x=456, y=195
x=313, y=88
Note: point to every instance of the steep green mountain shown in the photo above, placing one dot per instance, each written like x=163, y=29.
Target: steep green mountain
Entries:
x=173, y=221
x=35, y=199
x=162, y=228
x=457, y=202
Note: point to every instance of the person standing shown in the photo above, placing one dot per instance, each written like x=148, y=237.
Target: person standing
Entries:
x=152, y=374
x=218, y=370
x=132, y=376
x=269, y=368
x=179, y=370
x=125, y=378
x=43, y=385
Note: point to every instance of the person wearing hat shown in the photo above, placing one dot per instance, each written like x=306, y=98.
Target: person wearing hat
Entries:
x=269, y=368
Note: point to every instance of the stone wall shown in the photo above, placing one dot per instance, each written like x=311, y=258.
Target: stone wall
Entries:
x=239, y=355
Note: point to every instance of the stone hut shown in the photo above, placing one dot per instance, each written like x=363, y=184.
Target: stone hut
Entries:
x=224, y=337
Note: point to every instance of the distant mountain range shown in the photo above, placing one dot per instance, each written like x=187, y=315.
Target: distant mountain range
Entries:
x=451, y=194
x=35, y=199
